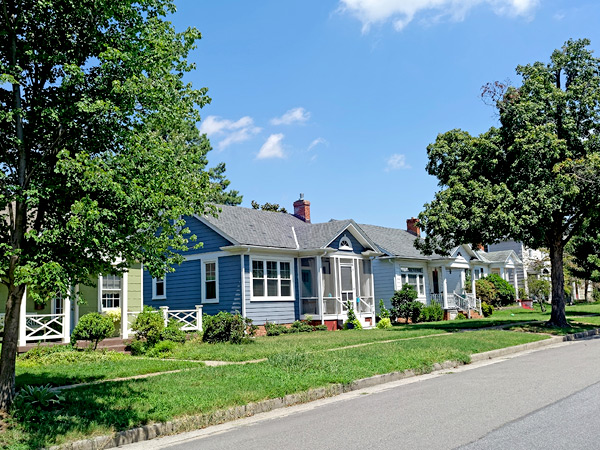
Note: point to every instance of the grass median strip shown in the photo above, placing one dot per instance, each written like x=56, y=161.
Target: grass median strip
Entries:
x=102, y=409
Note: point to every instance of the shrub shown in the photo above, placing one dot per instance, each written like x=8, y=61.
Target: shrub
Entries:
x=432, y=313
x=460, y=316
x=415, y=311
x=385, y=322
x=402, y=302
x=487, y=309
x=596, y=295
x=227, y=327
x=321, y=327
x=92, y=327
x=301, y=327
x=173, y=332
x=32, y=403
x=351, y=322
x=384, y=313
x=39, y=354
x=148, y=326
x=486, y=291
x=523, y=294
x=137, y=347
x=162, y=349
x=540, y=290
x=506, y=291
x=273, y=329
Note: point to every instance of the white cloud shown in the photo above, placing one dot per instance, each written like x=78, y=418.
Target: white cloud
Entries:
x=294, y=115
x=272, y=148
x=402, y=12
x=316, y=142
x=231, y=132
x=396, y=161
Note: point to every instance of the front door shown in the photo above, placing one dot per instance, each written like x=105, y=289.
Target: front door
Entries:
x=347, y=275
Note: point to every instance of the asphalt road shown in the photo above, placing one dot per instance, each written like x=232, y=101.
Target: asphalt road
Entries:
x=546, y=399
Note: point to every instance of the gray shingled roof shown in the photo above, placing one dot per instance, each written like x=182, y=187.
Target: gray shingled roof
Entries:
x=394, y=241
x=256, y=227
x=492, y=257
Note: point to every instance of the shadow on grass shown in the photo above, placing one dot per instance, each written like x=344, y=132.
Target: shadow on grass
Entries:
x=42, y=378
x=103, y=408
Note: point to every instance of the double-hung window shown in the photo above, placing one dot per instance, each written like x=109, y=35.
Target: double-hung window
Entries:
x=271, y=279
x=210, y=282
x=111, y=291
x=414, y=277
x=159, y=288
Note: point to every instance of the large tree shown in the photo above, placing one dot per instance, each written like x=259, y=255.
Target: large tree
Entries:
x=534, y=177
x=101, y=154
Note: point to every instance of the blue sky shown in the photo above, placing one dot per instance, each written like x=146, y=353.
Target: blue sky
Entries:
x=338, y=99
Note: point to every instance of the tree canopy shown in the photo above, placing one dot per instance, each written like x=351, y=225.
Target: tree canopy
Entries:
x=101, y=154
x=534, y=178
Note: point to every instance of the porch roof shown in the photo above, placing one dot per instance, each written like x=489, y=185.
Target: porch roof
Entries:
x=500, y=256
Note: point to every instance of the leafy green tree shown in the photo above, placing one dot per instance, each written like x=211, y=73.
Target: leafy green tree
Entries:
x=402, y=302
x=540, y=290
x=532, y=179
x=274, y=207
x=100, y=155
x=584, y=252
x=221, y=195
x=505, y=292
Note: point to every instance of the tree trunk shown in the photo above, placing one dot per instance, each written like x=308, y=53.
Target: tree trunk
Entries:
x=10, y=342
x=557, y=316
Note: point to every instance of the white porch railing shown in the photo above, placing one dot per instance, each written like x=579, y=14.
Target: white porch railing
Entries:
x=44, y=326
x=366, y=305
x=334, y=306
x=437, y=298
x=190, y=319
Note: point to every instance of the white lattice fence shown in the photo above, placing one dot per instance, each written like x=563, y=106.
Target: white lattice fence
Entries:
x=190, y=320
x=44, y=326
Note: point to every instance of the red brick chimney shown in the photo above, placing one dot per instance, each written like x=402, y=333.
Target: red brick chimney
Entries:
x=412, y=226
x=302, y=209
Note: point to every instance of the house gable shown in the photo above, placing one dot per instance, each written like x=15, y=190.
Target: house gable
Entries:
x=211, y=239
x=347, y=237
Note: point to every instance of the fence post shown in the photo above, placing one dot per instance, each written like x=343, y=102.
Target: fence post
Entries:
x=23, y=320
x=199, y=317
x=67, y=319
x=165, y=313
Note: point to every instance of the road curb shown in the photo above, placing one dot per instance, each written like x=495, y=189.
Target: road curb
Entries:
x=191, y=423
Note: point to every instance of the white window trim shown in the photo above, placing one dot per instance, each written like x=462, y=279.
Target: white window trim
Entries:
x=159, y=297
x=204, y=263
x=400, y=282
x=345, y=243
x=101, y=309
x=265, y=298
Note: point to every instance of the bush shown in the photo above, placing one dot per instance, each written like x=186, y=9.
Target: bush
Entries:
x=301, y=327
x=321, y=327
x=32, y=403
x=460, y=316
x=173, y=332
x=92, y=327
x=486, y=291
x=415, y=311
x=506, y=291
x=39, y=354
x=137, y=347
x=227, y=327
x=384, y=313
x=351, y=322
x=162, y=349
x=403, y=302
x=523, y=294
x=432, y=313
x=148, y=326
x=385, y=322
x=596, y=295
x=487, y=309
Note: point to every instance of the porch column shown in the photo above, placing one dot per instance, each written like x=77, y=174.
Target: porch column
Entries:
x=463, y=281
x=445, y=287
x=23, y=320
x=76, y=307
x=124, y=307
x=473, y=283
x=198, y=317
x=574, y=295
x=320, y=288
x=516, y=281
x=67, y=320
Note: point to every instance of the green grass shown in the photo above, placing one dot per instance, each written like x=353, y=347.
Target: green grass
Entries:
x=102, y=409
x=266, y=346
x=82, y=369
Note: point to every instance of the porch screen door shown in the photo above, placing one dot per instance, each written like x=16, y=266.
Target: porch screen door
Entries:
x=347, y=275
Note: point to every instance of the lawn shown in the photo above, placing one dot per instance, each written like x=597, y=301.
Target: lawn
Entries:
x=101, y=409
x=72, y=367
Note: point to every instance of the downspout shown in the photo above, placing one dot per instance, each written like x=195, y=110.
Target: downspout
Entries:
x=243, y=283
